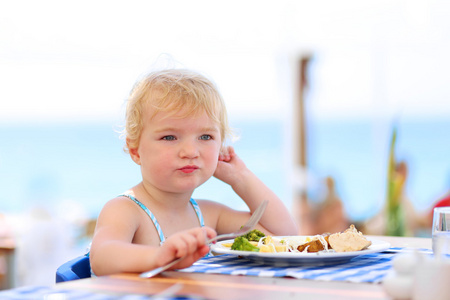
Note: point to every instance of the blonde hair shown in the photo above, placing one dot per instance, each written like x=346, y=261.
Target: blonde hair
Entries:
x=171, y=91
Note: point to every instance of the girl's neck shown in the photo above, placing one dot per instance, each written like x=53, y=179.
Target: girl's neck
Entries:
x=154, y=197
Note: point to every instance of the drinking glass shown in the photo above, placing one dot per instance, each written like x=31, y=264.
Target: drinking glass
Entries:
x=441, y=231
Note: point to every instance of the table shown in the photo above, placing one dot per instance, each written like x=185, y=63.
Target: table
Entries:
x=215, y=286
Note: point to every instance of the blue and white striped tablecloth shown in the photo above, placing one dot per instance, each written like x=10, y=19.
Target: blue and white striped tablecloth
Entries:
x=371, y=268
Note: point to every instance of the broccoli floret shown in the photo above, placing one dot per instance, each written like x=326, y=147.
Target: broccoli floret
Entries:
x=254, y=235
x=242, y=244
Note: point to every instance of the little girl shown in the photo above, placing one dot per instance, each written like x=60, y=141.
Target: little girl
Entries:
x=176, y=125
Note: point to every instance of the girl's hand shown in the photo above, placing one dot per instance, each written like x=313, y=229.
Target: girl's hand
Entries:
x=229, y=166
x=190, y=244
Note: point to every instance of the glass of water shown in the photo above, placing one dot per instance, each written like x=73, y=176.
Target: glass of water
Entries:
x=441, y=231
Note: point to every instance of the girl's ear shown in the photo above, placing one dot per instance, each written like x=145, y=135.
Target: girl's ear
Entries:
x=133, y=150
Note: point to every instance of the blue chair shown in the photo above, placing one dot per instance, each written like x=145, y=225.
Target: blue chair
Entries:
x=74, y=269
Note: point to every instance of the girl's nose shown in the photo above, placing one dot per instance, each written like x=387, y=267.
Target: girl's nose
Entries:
x=189, y=149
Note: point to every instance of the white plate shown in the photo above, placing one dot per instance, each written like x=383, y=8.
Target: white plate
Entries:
x=289, y=258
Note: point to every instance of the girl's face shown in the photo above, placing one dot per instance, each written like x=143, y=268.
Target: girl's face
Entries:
x=177, y=154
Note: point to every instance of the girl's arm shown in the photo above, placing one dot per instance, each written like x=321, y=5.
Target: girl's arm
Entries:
x=112, y=250
x=276, y=220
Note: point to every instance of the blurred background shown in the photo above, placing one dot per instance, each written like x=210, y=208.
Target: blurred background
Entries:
x=315, y=90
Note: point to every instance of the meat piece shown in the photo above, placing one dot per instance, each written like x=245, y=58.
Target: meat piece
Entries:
x=349, y=240
x=316, y=245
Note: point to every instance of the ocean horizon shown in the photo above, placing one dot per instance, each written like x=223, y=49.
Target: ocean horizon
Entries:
x=49, y=165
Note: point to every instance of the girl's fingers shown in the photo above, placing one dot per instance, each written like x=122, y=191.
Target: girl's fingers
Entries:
x=190, y=244
x=224, y=154
x=187, y=245
x=193, y=240
x=209, y=233
x=231, y=151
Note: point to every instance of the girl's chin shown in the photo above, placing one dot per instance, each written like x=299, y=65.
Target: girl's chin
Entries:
x=189, y=188
x=186, y=188
x=183, y=185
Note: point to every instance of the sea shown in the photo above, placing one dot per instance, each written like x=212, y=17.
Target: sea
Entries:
x=73, y=168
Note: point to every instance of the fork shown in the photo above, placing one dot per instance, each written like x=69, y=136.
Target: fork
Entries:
x=254, y=219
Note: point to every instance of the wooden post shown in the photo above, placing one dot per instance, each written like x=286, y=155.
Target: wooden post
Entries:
x=303, y=84
x=302, y=159
x=304, y=216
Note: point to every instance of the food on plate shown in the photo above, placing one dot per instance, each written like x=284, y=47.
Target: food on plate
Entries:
x=270, y=244
x=247, y=241
x=254, y=235
x=349, y=240
x=243, y=244
x=319, y=243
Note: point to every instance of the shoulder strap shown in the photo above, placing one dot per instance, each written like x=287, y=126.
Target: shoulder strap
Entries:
x=198, y=212
x=150, y=214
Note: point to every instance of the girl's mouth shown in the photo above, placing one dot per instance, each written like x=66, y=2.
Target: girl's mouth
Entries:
x=188, y=169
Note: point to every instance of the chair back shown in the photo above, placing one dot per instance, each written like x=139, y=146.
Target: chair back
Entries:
x=74, y=269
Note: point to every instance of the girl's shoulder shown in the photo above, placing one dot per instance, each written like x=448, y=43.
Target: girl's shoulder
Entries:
x=209, y=204
x=120, y=213
x=120, y=205
x=212, y=209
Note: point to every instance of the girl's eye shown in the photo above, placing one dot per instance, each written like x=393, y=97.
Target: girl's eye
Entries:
x=206, y=137
x=169, y=138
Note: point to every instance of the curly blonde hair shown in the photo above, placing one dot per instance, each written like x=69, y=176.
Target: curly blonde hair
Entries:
x=171, y=91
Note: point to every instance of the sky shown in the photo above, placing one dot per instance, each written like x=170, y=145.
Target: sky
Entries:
x=82, y=58
x=72, y=60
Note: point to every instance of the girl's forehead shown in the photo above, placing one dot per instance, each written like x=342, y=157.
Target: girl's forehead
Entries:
x=182, y=117
x=151, y=112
